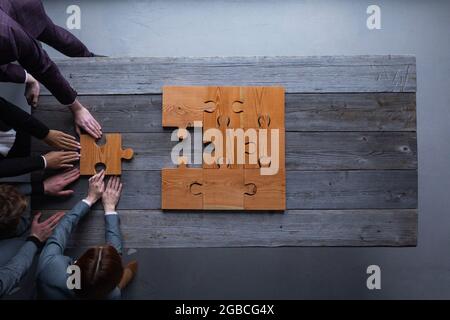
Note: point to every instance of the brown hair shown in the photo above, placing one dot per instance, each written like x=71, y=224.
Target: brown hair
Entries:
x=101, y=270
x=12, y=205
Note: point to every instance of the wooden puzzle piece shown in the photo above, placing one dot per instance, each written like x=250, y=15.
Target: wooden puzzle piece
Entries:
x=110, y=154
x=182, y=187
x=261, y=150
x=263, y=107
x=182, y=105
x=223, y=188
x=223, y=117
x=269, y=191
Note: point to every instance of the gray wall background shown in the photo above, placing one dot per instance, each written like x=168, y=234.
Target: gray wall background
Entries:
x=227, y=28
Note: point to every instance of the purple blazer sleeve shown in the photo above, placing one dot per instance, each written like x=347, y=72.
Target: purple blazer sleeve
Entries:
x=12, y=73
x=17, y=45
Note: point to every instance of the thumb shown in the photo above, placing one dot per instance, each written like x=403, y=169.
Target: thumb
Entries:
x=35, y=101
x=65, y=193
x=36, y=217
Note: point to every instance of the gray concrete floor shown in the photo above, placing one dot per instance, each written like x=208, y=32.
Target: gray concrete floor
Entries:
x=223, y=28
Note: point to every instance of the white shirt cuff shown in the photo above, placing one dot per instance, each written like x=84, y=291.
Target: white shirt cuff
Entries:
x=87, y=202
x=107, y=213
x=45, y=162
x=26, y=75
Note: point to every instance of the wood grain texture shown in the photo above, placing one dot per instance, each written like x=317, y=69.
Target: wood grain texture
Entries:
x=377, y=189
x=371, y=73
x=304, y=112
x=156, y=229
x=223, y=189
x=351, y=153
x=177, y=188
x=269, y=191
x=109, y=154
x=304, y=150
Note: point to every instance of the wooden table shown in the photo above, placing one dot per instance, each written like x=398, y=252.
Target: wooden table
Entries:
x=351, y=150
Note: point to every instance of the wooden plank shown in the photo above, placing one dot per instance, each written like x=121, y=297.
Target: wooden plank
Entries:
x=304, y=112
x=351, y=189
x=354, y=189
x=157, y=229
x=370, y=73
x=304, y=150
x=351, y=150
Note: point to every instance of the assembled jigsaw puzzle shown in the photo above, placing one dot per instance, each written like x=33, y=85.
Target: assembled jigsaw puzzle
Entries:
x=250, y=117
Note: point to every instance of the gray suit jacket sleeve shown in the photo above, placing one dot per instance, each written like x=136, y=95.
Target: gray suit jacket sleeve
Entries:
x=57, y=243
x=112, y=231
x=16, y=268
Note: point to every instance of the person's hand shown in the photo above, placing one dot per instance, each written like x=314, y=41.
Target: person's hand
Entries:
x=32, y=90
x=61, y=159
x=84, y=120
x=54, y=186
x=61, y=140
x=96, y=187
x=111, y=195
x=44, y=230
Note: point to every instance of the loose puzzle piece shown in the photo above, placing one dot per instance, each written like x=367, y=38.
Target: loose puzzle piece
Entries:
x=269, y=191
x=110, y=154
x=182, y=187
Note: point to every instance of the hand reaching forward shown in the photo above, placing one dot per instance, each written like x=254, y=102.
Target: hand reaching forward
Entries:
x=61, y=140
x=54, y=186
x=44, y=230
x=96, y=187
x=84, y=119
x=61, y=159
x=32, y=90
x=112, y=193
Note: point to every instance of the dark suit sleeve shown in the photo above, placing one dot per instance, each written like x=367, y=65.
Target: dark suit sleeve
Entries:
x=12, y=167
x=20, y=120
x=17, y=45
x=12, y=73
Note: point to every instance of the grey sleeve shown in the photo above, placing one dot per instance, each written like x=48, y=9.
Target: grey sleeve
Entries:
x=16, y=268
x=56, y=244
x=113, y=235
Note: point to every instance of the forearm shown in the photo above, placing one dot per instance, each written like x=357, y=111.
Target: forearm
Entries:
x=11, y=167
x=57, y=243
x=54, y=81
x=30, y=55
x=113, y=235
x=12, y=73
x=17, y=267
x=20, y=120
